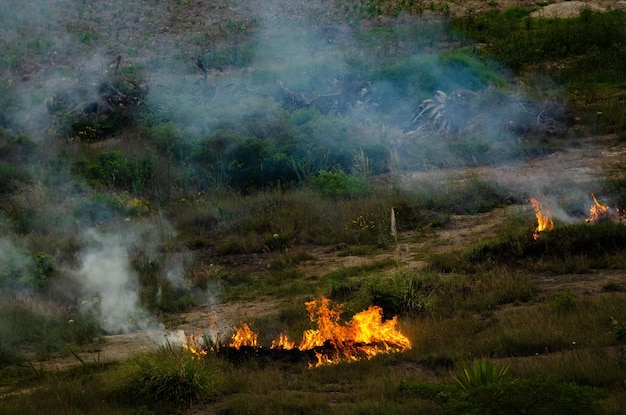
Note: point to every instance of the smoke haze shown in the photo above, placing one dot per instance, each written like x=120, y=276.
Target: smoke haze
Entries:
x=109, y=284
x=342, y=88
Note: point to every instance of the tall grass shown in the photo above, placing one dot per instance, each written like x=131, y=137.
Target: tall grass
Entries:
x=170, y=377
x=251, y=223
x=32, y=329
x=568, y=248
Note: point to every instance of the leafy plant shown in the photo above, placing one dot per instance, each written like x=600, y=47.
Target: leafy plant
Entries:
x=339, y=184
x=113, y=169
x=170, y=376
x=480, y=374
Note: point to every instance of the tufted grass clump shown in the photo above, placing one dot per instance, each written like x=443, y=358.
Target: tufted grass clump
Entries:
x=480, y=373
x=170, y=376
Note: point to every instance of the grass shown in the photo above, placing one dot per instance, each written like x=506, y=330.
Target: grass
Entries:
x=570, y=248
x=39, y=330
x=171, y=377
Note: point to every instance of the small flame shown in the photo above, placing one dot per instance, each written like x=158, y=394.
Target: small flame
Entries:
x=244, y=337
x=283, y=342
x=193, y=346
x=599, y=212
x=544, y=218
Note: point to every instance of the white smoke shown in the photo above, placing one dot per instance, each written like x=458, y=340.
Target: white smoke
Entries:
x=109, y=284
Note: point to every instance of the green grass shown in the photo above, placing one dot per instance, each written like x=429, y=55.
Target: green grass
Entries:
x=39, y=330
x=171, y=377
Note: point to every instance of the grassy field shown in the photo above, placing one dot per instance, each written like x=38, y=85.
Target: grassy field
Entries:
x=165, y=158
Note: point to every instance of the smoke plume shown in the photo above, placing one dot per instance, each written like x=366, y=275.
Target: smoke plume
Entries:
x=109, y=284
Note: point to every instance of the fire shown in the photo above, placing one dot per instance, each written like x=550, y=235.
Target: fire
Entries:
x=244, y=337
x=364, y=336
x=283, y=342
x=193, y=346
x=544, y=218
x=600, y=212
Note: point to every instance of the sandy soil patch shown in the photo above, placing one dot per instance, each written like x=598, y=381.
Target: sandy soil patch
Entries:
x=566, y=9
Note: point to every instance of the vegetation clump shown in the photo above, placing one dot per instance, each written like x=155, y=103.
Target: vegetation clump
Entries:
x=171, y=377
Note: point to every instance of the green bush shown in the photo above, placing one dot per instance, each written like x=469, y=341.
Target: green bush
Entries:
x=170, y=377
x=97, y=209
x=113, y=169
x=156, y=292
x=492, y=391
x=12, y=178
x=21, y=270
x=339, y=184
x=480, y=374
x=44, y=269
x=27, y=328
x=539, y=395
x=564, y=301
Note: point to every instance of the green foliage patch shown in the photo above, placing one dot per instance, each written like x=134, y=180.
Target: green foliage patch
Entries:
x=170, y=377
x=111, y=169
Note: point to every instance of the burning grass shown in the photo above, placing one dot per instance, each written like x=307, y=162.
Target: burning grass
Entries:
x=333, y=341
x=594, y=242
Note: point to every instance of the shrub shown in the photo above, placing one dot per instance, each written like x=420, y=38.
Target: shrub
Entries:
x=564, y=301
x=113, y=169
x=594, y=242
x=539, y=395
x=157, y=292
x=21, y=270
x=169, y=376
x=480, y=374
x=44, y=269
x=12, y=177
x=96, y=209
x=402, y=293
x=339, y=184
x=27, y=327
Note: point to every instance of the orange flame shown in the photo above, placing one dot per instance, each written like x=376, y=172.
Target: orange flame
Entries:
x=600, y=212
x=193, y=346
x=244, y=337
x=283, y=342
x=364, y=336
x=544, y=219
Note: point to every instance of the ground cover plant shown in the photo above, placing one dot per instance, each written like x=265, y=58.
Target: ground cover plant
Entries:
x=165, y=165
